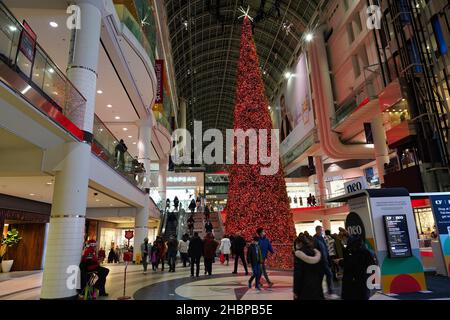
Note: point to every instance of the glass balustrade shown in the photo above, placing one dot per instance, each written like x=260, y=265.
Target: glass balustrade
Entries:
x=141, y=24
x=42, y=74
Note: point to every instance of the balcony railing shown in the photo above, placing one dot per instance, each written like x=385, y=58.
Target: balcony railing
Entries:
x=47, y=88
x=144, y=30
x=55, y=93
x=105, y=147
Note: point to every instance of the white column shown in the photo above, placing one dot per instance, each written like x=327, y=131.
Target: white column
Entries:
x=144, y=147
x=83, y=58
x=381, y=148
x=142, y=214
x=67, y=219
x=141, y=227
x=162, y=179
x=320, y=179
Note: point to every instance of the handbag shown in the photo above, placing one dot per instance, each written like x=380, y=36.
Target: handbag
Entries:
x=222, y=258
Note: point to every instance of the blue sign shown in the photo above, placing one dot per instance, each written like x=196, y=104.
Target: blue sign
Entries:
x=441, y=210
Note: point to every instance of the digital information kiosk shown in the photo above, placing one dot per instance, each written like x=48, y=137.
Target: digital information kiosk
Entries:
x=384, y=218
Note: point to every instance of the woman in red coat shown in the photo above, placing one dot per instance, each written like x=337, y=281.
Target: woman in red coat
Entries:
x=209, y=252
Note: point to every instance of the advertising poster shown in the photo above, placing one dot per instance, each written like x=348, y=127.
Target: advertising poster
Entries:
x=441, y=210
x=28, y=42
x=399, y=274
x=293, y=114
x=397, y=236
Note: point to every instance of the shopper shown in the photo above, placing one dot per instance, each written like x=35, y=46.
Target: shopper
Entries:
x=162, y=251
x=308, y=273
x=192, y=206
x=207, y=212
x=255, y=259
x=266, y=247
x=209, y=228
x=120, y=150
x=111, y=255
x=357, y=258
x=198, y=204
x=225, y=248
x=321, y=245
x=89, y=263
x=238, y=250
x=154, y=252
x=101, y=255
x=183, y=246
x=145, y=251
x=172, y=250
x=176, y=203
x=190, y=225
x=195, y=252
x=331, y=246
x=309, y=200
x=313, y=201
x=209, y=252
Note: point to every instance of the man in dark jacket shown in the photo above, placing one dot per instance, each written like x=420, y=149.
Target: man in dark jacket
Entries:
x=209, y=226
x=238, y=251
x=255, y=259
x=321, y=245
x=172, y=250
x=357, y=258
x=195, y=251
x=266, y=247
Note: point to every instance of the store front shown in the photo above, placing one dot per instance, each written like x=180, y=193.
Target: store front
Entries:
x=112, y=235
x=185, y=186
x=30, y=219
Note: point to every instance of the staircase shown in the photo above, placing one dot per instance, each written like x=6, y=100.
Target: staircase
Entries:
x=199, y=225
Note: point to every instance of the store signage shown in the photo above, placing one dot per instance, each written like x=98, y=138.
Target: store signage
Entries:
x=27, y=43
x=355, y=226
x=355, y=185
x=159, y=70
x=397, y=236
x=181, y=179
x=129, y=234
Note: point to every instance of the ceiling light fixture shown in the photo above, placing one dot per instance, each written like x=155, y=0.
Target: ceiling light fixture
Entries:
x=130, y=137
x=134, y=142
x=53, y=24
x=309, y=37
x=51, y=70
x=117, y=117
x=99, y=91
x=32, y=194
x=109, y=105
x=49, y=183
x=125, y=129
x=287, y=75
x=12, y=28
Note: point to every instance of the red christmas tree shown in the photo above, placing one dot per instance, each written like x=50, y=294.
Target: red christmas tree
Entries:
x=256, y=200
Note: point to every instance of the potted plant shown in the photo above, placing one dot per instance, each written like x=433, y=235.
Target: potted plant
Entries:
x=11, y=239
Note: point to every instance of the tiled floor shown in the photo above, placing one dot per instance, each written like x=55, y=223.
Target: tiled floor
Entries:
x=168, y=286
